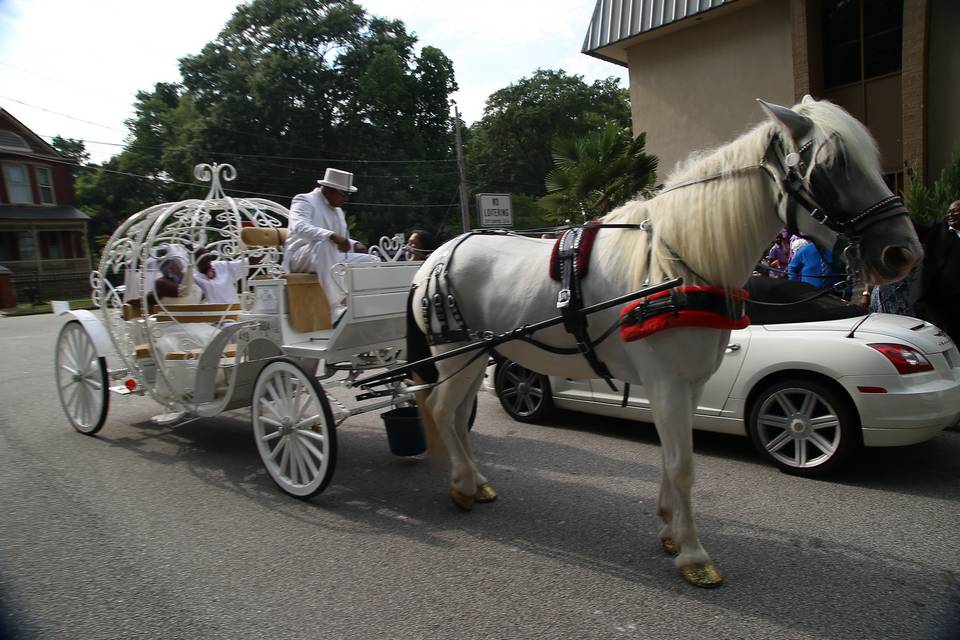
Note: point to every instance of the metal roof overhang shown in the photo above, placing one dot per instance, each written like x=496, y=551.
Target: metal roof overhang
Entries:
x=26, y=212
x=618, y=25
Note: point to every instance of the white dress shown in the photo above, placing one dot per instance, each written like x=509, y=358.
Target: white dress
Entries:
x=222, y=287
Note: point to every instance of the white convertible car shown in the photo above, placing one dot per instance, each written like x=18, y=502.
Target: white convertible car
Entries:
x=810, y=383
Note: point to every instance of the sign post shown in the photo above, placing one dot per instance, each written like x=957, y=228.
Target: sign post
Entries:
x=495, y=209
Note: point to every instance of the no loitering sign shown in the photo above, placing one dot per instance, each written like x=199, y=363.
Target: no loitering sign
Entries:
x=496, y=209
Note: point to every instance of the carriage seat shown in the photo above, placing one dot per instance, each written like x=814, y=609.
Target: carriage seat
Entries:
x=202, y=312
x=307, y=306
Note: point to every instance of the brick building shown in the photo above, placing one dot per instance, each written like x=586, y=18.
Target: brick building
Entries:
x=43, y=238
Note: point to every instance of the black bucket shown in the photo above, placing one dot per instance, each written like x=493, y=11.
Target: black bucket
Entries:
x=404, y=432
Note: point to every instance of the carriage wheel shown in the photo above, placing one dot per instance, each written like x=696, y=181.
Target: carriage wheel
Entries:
x=294, y=429
x=523, y=393
x=81, y=379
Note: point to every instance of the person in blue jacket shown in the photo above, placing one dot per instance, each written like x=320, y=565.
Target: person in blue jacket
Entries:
x=815, y=266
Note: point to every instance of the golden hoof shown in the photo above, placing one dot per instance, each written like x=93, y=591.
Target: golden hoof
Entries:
x=485, y=493
x=702, y=574
x=463, y=501
x=669, y=546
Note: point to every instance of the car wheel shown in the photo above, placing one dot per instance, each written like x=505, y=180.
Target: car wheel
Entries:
x=523, y=393
x=804, y=427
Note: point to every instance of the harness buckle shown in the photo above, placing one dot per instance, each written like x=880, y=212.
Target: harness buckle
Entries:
x=563, y=298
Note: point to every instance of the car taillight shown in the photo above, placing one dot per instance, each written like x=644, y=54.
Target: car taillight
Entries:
x=905, y=359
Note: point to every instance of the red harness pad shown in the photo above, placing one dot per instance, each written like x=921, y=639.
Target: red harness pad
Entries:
x=709, y=307
x=582, y=260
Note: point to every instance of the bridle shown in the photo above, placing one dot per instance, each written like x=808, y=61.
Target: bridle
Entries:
x=794, y=175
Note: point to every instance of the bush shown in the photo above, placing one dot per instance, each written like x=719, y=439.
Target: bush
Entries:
x=929, y=203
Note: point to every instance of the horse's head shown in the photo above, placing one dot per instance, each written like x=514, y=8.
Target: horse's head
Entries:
x=827, y=167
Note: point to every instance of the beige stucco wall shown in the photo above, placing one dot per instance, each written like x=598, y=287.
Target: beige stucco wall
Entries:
x=695, y=88
x=943, y=86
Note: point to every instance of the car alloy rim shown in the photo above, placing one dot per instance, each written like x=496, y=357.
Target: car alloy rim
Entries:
x=522, y=390
x=799, y=428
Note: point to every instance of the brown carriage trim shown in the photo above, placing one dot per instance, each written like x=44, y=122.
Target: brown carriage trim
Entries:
x=690, y=306
x=307, y=306
x=133, y=310
x=230, y=351
x=263, y=236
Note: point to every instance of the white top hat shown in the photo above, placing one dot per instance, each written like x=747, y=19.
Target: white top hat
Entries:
x=339, y=180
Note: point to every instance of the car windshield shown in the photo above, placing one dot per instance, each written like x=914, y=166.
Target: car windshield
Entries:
x=797, y=305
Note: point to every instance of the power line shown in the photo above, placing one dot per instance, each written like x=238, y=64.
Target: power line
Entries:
x=61, y=82
x=266, y=157
x=63, y=115
x=226, y=190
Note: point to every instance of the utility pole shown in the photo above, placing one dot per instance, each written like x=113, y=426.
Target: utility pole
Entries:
x=461, y=168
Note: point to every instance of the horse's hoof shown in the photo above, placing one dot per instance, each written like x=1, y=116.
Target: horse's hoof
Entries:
x=485, y=493
x=669, y=546
x=702, y=574
x=463, y=501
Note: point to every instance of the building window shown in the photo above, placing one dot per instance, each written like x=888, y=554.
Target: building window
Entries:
x=25, y=245
x=861, y=40
x=11, y=140
x=18, y=184
x=60, y=245
x=45, y=185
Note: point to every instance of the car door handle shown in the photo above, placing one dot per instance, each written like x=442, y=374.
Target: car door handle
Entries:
x=733, y=347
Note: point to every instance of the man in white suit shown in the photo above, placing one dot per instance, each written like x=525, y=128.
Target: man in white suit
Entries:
x=318, y=236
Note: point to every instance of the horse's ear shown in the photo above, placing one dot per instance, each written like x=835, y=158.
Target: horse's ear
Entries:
x=807, y=99
x=797, y=125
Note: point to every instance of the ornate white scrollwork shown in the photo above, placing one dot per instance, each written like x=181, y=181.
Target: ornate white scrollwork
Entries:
x=392, y=248
x=211, y=173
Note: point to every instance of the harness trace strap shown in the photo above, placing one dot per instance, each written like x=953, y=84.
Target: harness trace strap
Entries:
x=691, y=306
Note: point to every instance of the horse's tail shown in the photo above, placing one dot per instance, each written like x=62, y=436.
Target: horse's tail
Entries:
x=418, y=349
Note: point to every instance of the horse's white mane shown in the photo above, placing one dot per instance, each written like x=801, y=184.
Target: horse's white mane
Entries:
x=711, y=224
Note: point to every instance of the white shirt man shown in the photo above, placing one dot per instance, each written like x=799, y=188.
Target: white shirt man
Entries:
x=218, y=278
x=318, y=236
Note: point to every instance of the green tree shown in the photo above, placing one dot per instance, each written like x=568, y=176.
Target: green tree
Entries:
x=596, y=173
x=930, y=203
x=288, y=88
x=509, y=149
x=71, y=148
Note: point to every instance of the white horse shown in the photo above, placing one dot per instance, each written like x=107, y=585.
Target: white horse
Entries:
x=715, y=216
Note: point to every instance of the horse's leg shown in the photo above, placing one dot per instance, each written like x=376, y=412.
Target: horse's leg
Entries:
x=672, y=400
x=485, y=492
x=444, y=404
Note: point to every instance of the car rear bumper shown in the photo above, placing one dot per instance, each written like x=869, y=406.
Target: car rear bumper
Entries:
x=904, y=415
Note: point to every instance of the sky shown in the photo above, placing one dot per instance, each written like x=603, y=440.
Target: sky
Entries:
x=72, y=67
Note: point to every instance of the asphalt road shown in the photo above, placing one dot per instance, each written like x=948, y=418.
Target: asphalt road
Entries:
x=151, y=532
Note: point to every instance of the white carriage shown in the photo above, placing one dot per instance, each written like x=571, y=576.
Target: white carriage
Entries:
x=276, y=349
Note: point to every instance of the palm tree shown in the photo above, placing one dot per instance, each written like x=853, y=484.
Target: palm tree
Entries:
x=596, y=173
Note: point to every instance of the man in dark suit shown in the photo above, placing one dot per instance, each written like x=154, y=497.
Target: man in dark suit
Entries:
x=941, y=272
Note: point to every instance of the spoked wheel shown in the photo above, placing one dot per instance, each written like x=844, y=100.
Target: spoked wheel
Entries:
x=294, y=429
x=523, y=393
x=81, y=379
x=804, y=427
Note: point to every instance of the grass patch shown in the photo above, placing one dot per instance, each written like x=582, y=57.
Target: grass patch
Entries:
x=27, y=309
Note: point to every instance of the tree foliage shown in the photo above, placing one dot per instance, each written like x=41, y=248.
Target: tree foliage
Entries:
x=596, y=173
x=288, y=88
x=930, y=203
x=509, y=148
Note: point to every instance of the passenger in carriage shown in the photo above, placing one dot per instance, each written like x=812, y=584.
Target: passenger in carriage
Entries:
x=218, y=278
x=420, y=245
x=174, y=282
x=318, y=236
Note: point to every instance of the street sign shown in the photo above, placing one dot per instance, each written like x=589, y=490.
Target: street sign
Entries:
x=496, y=209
